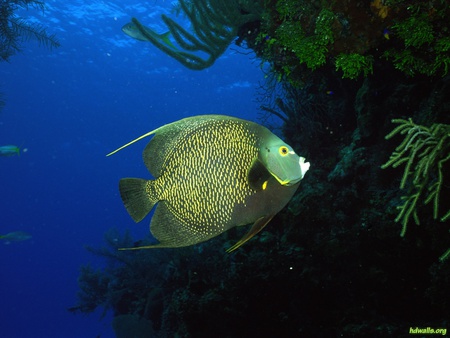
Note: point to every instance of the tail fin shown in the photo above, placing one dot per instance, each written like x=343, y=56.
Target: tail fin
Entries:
x=138, y=196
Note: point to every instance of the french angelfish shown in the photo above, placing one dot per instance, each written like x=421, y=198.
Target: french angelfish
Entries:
x=212, y=173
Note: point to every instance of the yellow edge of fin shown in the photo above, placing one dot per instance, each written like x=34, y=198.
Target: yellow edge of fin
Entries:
x=151, y=246
x=137, y=248
x=212, y=116
x=257, y=227
x=134, y=141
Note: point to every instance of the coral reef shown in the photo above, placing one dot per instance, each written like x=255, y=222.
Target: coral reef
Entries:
x=125, y=285
x=353, y=35
x=132, y=326
x=424, y=34
x=352, y=65
x=332, y=263
x=299, y=37
x=424, y=151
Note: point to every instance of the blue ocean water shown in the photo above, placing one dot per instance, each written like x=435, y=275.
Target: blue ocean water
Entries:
x=68, y=108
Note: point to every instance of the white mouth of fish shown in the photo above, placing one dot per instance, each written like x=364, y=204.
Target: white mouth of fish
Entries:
x=304, y=167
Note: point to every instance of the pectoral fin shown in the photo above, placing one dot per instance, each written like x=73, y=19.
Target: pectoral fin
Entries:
x=257, y=175
x=257, y=227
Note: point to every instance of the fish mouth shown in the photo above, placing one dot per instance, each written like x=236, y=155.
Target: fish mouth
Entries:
x=304, y=166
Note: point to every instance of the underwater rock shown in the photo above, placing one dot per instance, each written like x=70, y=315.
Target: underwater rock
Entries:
x=132, y=326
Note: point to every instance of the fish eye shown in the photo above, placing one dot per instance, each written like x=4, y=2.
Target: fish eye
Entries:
x=283, y=150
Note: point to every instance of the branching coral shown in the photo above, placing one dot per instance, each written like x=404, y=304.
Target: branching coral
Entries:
x=424, y=151
x=98, y=287
x=215, y=24
x=13, y=28
x=93, y=290
x=352, y=65
x=132, y=285
x=299, y=36
x=424, y=36
x=309, y=49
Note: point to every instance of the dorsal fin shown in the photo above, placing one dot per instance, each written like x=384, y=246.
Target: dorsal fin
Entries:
x=158, y=149
x=178, y=124
x=131, y=142
x=138, y=139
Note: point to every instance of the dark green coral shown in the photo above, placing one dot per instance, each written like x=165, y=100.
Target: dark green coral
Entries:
x=352, y=65
x=423, y=41
x=13, y=29
x=298, y=37
x=414, y=31
x=354, y=36
x=310, y=49
x=424, y=151
x=215, y=25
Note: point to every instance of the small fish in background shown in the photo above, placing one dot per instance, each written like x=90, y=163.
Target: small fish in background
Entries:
x=386, y=33
x=213, y=173
x=15, y=236
x=133, y=31
x=9, y=150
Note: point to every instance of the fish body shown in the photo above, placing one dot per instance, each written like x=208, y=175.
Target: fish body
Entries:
x=133, y=31
x=212, y=173
x=9, y=150
x=15, y=236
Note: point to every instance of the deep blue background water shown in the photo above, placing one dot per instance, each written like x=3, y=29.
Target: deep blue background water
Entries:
x=69, y=107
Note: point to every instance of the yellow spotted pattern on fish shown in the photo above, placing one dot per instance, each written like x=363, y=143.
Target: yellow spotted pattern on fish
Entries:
x=212, y=173
x=195, y=168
